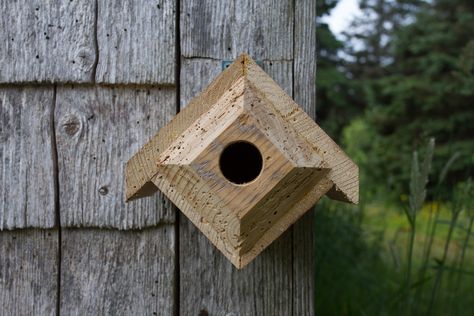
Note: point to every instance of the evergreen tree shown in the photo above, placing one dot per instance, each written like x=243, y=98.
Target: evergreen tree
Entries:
x=334, y=111
x=427, y=91
x=370, y=37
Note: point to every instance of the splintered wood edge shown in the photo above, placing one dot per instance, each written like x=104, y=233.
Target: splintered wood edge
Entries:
x=142, y=167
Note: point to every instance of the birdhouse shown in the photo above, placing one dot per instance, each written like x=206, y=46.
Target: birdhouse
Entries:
x=243, y=162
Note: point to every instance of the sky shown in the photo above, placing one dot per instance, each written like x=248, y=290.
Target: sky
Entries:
x=341, y=16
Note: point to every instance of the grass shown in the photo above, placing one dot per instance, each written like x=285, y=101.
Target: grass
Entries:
x=362, y=265
x=412, y=258
x=392, y=225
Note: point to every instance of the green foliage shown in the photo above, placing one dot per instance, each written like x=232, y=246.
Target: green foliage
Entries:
x=349, y=270
x=406, y=78
x=377, y=262
x=419, y=180
x=428, y=91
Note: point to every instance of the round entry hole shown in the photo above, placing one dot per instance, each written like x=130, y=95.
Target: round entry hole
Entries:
x=241, y=162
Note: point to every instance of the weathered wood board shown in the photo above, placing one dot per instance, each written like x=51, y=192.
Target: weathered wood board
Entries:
x=225, y=29
x=295, y=292
x=97, y=131
x=27, y=161
x=303, y=265
x=210, y=285
x=136, y=41
x=110, y=272
x=47, y=41
x=28, y=272
x=304, y=71
x=305, y=56
x=268, y=281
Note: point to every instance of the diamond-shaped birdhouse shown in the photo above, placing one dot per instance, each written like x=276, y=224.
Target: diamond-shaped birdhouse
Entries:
x=243, y=162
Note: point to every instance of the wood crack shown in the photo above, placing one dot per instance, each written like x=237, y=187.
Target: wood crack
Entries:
x=57, y=210
x=96, y=42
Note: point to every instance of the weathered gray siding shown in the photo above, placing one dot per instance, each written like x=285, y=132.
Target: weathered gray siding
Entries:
x=83, y=85
x=110, y=272
x=47, y=41
x=29, y=272
x=136, y=41
x=224, y=29
x=97, y=130
x=27, y=168
x=209, y=282
x=304, y=76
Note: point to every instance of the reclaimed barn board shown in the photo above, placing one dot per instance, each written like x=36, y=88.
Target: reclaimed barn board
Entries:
x=225, y=29
x=136, y=41
x=111, y=272
x=28, y=272
x=47, y=41
x=265, y=286
x=27, y=161
x=97, y=130
x=305, y=95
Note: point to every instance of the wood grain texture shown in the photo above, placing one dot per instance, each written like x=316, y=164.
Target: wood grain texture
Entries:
x=28, y=272
x=305, y=56
x=265, y=286
x=305, y=95
x=142, y=167
x=344, y=172
x=210, y=285
x=136, y=41
x=110, y=272
x=225, y=29
x=27, y=192
x=192, y=86
x=47, y=41
x=304, y=265
x=97, y=130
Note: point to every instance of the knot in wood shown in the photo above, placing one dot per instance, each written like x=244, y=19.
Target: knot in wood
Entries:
x=103, y=190
x=71, y=125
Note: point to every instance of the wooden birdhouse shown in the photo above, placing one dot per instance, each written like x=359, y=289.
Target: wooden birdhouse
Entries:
x=243, y=162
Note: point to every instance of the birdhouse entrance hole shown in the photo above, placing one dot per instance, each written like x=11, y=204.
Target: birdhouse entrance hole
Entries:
x=241, y=162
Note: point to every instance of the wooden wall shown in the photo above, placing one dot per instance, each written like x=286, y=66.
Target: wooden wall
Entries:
x=83, y=85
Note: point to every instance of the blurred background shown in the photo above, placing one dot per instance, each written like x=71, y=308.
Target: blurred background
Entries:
x=395, y=87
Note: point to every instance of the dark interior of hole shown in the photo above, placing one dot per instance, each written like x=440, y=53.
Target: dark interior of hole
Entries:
x=240, y=162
